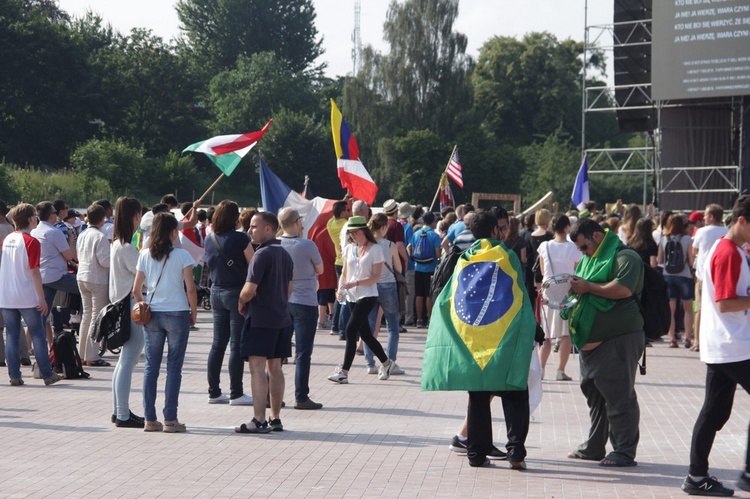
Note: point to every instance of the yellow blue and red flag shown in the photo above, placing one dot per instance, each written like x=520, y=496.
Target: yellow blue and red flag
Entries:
x=482, y=327
x=352, y=173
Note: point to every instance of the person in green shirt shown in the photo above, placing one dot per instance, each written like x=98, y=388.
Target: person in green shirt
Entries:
x=341, y=213
x=607, y=327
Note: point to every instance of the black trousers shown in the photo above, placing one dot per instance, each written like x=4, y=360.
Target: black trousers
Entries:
x=479, y=418
x=359, y=327
x=721, y=383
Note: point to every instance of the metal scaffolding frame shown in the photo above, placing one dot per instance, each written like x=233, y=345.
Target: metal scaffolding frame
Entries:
x=644, y=160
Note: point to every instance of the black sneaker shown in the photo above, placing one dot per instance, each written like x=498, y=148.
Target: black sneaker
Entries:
x=457, y=445
x=709, y=486
x=276, y=425
x=131, y=422
x=497, y=454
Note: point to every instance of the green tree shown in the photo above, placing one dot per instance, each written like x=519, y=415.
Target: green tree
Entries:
x=252, y=92
x=121, y=165
x=43, y=68
x=217, y=32
x=551, y=165
x=412, y=165
x=149, y=99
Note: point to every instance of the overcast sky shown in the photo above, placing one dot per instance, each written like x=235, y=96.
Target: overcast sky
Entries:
x=478, y=19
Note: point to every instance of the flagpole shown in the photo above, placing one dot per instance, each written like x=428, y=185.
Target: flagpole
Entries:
x=441, y=176
x=200, y=199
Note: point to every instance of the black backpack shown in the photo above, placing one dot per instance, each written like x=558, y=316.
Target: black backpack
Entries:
x=443, y=272
x=674, y=257
x=64, y=356
x=112, y=325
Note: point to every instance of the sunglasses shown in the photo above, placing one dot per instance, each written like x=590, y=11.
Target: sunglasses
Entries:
x=584, y=247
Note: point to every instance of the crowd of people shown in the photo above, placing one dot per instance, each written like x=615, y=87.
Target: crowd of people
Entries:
x=271, y=289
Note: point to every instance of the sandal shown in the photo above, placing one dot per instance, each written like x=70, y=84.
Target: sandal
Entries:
x=575, y=455
x=673, y=344
x=174, y=427
x=153, y=426
x=97, y=363
x=688, y=343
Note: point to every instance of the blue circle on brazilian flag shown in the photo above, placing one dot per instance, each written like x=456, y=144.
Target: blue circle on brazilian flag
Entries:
x=481, y=295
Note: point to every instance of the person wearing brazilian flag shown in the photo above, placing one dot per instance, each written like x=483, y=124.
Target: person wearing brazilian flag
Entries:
x=481, y=338
x=607, y=326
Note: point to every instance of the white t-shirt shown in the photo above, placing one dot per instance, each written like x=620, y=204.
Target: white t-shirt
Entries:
x=705, y=237
x=725, y=337
x=564, y=257
x=170, y=295
x=21, y=253
x=360, y=268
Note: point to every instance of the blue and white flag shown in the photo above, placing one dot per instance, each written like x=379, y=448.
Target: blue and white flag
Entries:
x=581, y=194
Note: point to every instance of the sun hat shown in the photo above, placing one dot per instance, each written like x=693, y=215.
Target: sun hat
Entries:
x=405, y=210
x=356, y=223
x=390, y=206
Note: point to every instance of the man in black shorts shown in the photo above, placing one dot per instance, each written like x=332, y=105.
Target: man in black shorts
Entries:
x=266, y=336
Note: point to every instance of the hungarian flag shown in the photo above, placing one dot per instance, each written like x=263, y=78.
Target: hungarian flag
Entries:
x=482, y=327
x=446, y=194
x=226, y=151
x=352, y=173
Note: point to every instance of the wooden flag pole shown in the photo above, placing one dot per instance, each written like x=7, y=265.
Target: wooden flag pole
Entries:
x=200, y=199
x=441, y=176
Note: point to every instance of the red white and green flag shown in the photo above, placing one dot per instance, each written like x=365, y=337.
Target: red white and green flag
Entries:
x=226, y=151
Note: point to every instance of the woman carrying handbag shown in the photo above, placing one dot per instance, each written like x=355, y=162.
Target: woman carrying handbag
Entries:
x=166, y=272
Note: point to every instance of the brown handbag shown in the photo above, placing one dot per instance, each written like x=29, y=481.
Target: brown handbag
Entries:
x=141, y=312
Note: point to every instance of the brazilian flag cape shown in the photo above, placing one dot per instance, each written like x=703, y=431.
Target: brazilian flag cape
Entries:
x=482, y=327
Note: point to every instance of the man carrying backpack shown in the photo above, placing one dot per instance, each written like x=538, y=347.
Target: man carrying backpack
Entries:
x=607, y=326
x=725, y=348
x=424, y=249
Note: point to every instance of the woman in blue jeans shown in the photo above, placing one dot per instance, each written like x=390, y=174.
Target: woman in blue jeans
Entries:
x=228, y=253
x=21, y=294
x=122, y=269
x=387, y=304
x=166, y=272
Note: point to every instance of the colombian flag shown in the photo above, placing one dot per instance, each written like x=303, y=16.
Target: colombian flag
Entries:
x=482, y=328
x=352, y=172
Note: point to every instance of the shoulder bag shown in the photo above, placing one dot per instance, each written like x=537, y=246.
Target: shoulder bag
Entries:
x=141, y=312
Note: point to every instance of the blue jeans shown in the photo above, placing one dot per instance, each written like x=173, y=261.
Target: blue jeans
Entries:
x=388, y=299
x=33, y=319
x=227, y=330
x=174, y=328
x=67, y=283
x=344, y=315
x=304, y=320
x=122, y=376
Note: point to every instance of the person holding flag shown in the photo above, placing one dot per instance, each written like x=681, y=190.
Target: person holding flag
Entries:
x=481, y=339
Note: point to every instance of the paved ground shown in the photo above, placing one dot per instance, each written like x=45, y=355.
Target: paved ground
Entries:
x=373, y=438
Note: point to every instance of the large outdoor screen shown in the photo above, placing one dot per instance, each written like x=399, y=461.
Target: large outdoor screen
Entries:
x=701, y=48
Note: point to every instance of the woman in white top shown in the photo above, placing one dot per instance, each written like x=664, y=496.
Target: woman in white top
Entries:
x=387, y=295
x=166, y=272
x=122, y=269
x=558, y=256
x=93, y=282
x=363, y=263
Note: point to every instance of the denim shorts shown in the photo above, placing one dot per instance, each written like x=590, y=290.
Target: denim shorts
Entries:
x=680, y=287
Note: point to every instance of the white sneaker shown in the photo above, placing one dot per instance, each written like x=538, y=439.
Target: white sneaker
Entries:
x=221, y=399
x=339, y=376
x=372, y=370
x=385, y=371
x=397, y=370
x=243, y=400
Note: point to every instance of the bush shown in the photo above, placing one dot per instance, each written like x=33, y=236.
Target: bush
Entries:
x=32, y=185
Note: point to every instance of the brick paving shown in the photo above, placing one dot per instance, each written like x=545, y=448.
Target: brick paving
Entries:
x=373, y=438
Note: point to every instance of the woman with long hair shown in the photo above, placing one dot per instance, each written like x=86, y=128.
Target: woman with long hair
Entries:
x=642, y=242
x=228, y=253
x=363, y=263
x=516, y=242
x=558, y=256
x=387, y=303
x=629, y=220
x=166, y=272
x=679, y=281
x=122, y=270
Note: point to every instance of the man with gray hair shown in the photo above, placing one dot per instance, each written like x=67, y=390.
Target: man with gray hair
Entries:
x=303, y=303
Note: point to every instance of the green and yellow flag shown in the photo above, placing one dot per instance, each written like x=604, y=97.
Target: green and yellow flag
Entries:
x=482, y=328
